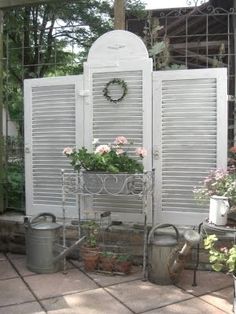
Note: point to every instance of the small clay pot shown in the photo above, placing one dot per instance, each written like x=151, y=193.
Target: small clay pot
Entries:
x=106, y=263
x=90, y=260
x=90, y=257
x=123, y=267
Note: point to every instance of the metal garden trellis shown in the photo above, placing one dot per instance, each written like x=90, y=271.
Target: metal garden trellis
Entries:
x=119, y=13
x=4, y=5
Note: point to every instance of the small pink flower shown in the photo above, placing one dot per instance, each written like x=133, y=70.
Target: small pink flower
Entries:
x=141, y=152
x=121, y=140
x=102, y=149
x=233, y=149
x=224, y=249
x=119, y=151
x=68, y=151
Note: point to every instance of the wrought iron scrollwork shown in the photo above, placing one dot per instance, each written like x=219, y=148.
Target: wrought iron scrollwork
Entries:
x=120, y=184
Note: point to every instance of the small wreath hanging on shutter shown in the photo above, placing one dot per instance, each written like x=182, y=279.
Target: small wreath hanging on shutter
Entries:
x=119, y=82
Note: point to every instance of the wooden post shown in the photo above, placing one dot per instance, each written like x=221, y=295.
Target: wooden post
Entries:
x=2, y=154
x=119, y=13
x=234, y=32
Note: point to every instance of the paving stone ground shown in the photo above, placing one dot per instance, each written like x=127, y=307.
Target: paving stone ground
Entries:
x=78, y=292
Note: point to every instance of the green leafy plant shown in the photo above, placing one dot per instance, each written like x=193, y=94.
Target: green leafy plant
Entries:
x=107, y=254
x=106, y=158
x=92, y=230
x=221, y=258
x=218, y=182
x=123, y=258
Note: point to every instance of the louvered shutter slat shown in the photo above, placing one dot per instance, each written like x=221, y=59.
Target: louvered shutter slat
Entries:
x=51, y=106
x=189, y=111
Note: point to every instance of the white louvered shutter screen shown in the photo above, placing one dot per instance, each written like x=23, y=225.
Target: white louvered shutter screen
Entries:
x=190, y=135
x=111, y=120
x=51, y=107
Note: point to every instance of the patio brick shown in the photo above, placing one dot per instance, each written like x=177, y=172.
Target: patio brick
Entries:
x=20, y=264
x=90, y=302
x=57, y=284
x=222, y=299
x=193, y=306
x=104, y=280
x=207, y=281
x=2, y=257
x=142, y=296
x=14, y=291
x=7, y=271
x=26, y=308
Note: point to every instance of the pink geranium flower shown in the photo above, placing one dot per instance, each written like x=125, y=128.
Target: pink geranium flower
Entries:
x=121, y=140
x=68, y=151
x=119, y=151
x=102, y=149
x=141, y=152
x=233, y=149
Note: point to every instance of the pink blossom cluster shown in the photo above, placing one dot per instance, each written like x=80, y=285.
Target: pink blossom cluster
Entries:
x=68, y=150
x=141, y=152
x=102, y=149
x=121, y=140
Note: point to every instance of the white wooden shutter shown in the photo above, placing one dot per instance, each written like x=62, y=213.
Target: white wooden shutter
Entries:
x=190, y=139
x=122, y=55
x=53, y=120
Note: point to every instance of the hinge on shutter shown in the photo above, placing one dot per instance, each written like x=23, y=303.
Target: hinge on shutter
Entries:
x=231, y=98
x=84, y=93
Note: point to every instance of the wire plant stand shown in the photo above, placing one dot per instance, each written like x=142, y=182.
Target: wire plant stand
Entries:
x=89, y=184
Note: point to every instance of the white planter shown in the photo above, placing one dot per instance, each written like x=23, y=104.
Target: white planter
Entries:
x=219, y=208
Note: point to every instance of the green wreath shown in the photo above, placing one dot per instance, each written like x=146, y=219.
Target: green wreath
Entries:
x=119, y=82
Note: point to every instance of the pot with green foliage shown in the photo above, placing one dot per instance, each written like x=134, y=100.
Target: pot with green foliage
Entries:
x=107, y=261
x=90, y=250
x=123, y=264
x=112, y=159
x=220, y=188
x=222, y=258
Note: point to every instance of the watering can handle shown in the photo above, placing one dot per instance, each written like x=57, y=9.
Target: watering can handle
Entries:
x=41, y=215
x=152, y=231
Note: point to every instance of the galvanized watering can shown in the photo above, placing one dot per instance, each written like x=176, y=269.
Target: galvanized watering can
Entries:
x=165, y=259
x=160, y=248
x=44, y=254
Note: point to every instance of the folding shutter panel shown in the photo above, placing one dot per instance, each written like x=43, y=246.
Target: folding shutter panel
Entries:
x=51, y=110
x=190, y=137
x=111, y=120
x=127, y=118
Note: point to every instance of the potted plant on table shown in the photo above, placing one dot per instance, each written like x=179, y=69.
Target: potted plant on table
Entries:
x=220, y=188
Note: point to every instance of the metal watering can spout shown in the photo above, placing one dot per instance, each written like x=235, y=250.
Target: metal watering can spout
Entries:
x=43, y=248
x=191, y=238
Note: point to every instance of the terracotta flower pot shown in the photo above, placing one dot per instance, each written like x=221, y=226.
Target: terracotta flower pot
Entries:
x=106, y=263
x=90, y=260
x=123, y=267
x=90, y=256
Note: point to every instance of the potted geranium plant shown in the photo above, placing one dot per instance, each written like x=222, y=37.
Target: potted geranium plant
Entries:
x=112, y=158
x=220, y=188
x=108, y=159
